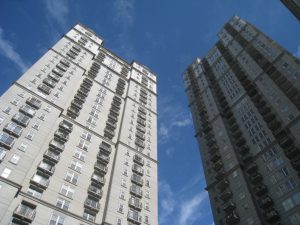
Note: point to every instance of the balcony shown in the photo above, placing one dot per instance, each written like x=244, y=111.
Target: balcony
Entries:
x=137, y=169
x=269, y=117
x=215, y=157
x=261, y=190
x=296, y=164
x=142, y=110
x=65, y=62
x=102, y=169
x=34, y=102
x=220, y=175
x=114, y=112
x=24, y=213
x=49, y=82
x=27, y=110
x=105, y=148
x=265, y=110
x=136, y=191
x=135, y=203
x=83, y=93
x=109, y=133
x=139, y=160
x=247, y=158
x=60, y=136
x=142, y=116
x=241, y=141
x=21, y=119
x=134, y=217
x=226, y=195
x=51, y=156
x=274, y=126
x=77, y=104
x=234, y=127
x=285, y=142
x=40, y=181
x=232, y=218
x=139, y=142
x=54, y=145
x=207, y=128
x=272, y=216
x=231, y=121
x=141, y=128
x=45, y=89
x=218, y=165
x=229, y=206
x=140, y=136
x=256, y=178
x=223, y=185
x=92, y=205
x=46, y=169
x=58, y=72
x=238, y=133
x=266, y=202
x=54, y=77
x=103, y=158
x=141, y=122
x=98, y=180
x=6, y=141
x=95, y=191
x=211, y=142
x=252, y=168
x=88, y=81
x=13, y=129
x=111, y=125
x=137, y=180
x=66, y=126
x=112, y=118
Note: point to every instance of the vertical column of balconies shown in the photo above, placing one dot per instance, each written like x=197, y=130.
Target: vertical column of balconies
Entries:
x=223, y=185
x=91, y=204
x=54, y=76
x=135, y=204
x=259, y=189
x=45, y=169
x=82, y=93
x=20, y=121
x=109, y=130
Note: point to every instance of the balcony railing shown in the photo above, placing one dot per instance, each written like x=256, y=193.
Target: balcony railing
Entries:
x=92, y=205
x=95, y=191
x=56, y=145
x=66, y=126
x=61, y=136
x=51, y=156
x=102, y=169
x=46, y=168
x=105, y=148
x=103, y=158
x=98, y=180
x=24, y=213
x=134, y=217
x=135, y=203
x=137, y=159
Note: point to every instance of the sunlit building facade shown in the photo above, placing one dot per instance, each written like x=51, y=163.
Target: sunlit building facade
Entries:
x=78, y=140
x=244, y=95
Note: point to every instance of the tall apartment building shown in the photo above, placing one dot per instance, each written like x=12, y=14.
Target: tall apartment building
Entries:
x=293, y=6
x=78, y=139
x=245, y=100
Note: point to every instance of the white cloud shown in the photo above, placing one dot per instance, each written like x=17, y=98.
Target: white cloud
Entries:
x=58, y=11
x=8, y=51
x=171, y=115
x=124, y=13
x=170, y=151
x=167, y=202
x=189, y=210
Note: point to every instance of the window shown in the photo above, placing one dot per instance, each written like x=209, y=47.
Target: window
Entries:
x=146, y=219
x=122, y=195
x=6, y=172
x=89, y=216
x=34, y=193
x=80, y=154
x=296, y=198
x=7, y=110
x=62, y=203
x=15, y=159
x=1, y=120
x=13, y=129
x=72, y=177
x=288, y=204
x=76, y=165
x=27, y=110
x=6, y=140
x=15, y=101
x=295, y=218
x=147, y=207
x=30, y=135
x=21, y=119
x=119, y=221
x=86, y=135
x=56, y=220
x=83, y=145
x=121, y=208
x=22, y=147
x=42, y=116
x=2, y=154
x=123, y=182
x=36, y=126
x=67, y=191
x=41, y=180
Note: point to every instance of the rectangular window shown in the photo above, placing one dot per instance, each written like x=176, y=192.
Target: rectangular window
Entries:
x=22, y=147
x=83, y=144
x=36, y=126
x=63, y=203
x=76, y=166
x=86, y=135
x=30, y=135
x=34, y=193
x=72, y=177
x=13, y=129
x=15, y=159
x=67, y=191
x=6, y=172
x=7, y=110
x=1, y=120
x=56, y=220
x=80, y=154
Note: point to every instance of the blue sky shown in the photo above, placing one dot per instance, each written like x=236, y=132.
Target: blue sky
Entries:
x=164, y=35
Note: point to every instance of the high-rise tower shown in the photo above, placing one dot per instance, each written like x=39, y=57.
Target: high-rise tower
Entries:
x=78, y=139
x=245, y=100
x=293, y=6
